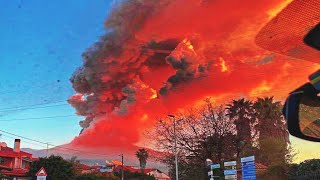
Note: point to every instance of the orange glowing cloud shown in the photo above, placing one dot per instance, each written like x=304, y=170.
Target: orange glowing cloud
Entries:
x=162, y=56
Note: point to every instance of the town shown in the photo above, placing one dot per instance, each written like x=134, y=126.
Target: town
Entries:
x=20, y=165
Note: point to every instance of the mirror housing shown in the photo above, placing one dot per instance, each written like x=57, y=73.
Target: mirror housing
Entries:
x=291, y=110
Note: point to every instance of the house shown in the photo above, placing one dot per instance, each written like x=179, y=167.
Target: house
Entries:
x=13, y=161
x=116, y=167
x=86, y=169
x=159, y=175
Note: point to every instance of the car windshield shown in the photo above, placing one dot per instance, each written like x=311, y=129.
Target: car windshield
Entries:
x=153, y=87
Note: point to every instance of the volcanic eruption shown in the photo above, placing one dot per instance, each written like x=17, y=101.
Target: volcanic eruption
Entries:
x=162, y=56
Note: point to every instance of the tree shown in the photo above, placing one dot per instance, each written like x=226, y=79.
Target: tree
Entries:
x=56, y=167
x=96, y=176
x=271, y=122
x=202, y=132
x=142, y=155
x=224, y=133
x=242, y=113
x=273, y=140
x=76, y=164
x=135, y=176
x=273, y=152
x=309, y=166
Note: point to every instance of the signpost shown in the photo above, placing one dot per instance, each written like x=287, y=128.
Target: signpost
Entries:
x=230, y=171
x=41, y=174
x=211, y=172
x=248, y=168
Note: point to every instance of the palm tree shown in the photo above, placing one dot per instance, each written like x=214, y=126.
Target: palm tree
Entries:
x=270, y=120
x=242, y=113
x=272, y=131
x=142, y=155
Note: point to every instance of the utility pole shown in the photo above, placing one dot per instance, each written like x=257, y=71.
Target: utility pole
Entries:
x=175, y=145
x=47, y=149
x=122, y=174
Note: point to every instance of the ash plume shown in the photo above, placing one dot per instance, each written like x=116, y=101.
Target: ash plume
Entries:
x=159, y=56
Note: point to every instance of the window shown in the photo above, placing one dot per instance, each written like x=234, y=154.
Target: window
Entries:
x=1, y=160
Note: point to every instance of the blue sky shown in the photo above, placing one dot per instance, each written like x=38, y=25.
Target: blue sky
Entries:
x=41, y=45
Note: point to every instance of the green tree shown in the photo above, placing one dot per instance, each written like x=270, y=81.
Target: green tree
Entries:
x=142, y=155
x=308, y=169
x=273, y=152
x=76, y=164
x=273, y=141
x=309, y=166
x=56, y=167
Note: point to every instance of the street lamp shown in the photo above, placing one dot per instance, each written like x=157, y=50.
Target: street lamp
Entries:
x=175, y=145
x=209, y=162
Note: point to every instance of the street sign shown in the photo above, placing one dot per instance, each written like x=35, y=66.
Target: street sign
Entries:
x=215, y=166
x=230, y=163
x=210, y=173
x=247, y=159
x=248, y=168
x=41, y=174
x=230, y=171
x=230, y=176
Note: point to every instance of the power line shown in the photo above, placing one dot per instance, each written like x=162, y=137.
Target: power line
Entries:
x=53, y=146
x=32, y=105
x=30, y=87
x=48, y=117
x=20, y=109
x=27, y=142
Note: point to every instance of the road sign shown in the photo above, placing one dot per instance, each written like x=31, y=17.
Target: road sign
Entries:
x=248, y=168
x=215, y=166
x=230, y=176
x=230, y=172
x=210, y=173
x=230, y=163
x=247, y=159
x=41, y=174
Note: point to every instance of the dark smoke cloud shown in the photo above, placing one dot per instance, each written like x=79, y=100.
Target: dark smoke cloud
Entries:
x=158, y=56
x=185, y=61
x=111, y=65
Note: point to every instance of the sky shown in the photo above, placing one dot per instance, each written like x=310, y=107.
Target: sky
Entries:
x=41, y=46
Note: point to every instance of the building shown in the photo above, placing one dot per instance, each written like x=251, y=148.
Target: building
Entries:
x=86, y=169
x=159, y=175
x=13, y=161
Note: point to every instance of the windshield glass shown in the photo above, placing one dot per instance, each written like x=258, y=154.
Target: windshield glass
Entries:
x=159, y=82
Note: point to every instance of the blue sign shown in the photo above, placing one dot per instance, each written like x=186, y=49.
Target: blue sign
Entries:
x=248, y=163
x=248, y=168
x=215, y=166
x=230, y=172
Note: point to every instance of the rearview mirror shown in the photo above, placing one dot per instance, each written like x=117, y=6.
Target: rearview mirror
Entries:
x=309, y=116
x=302, y=111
